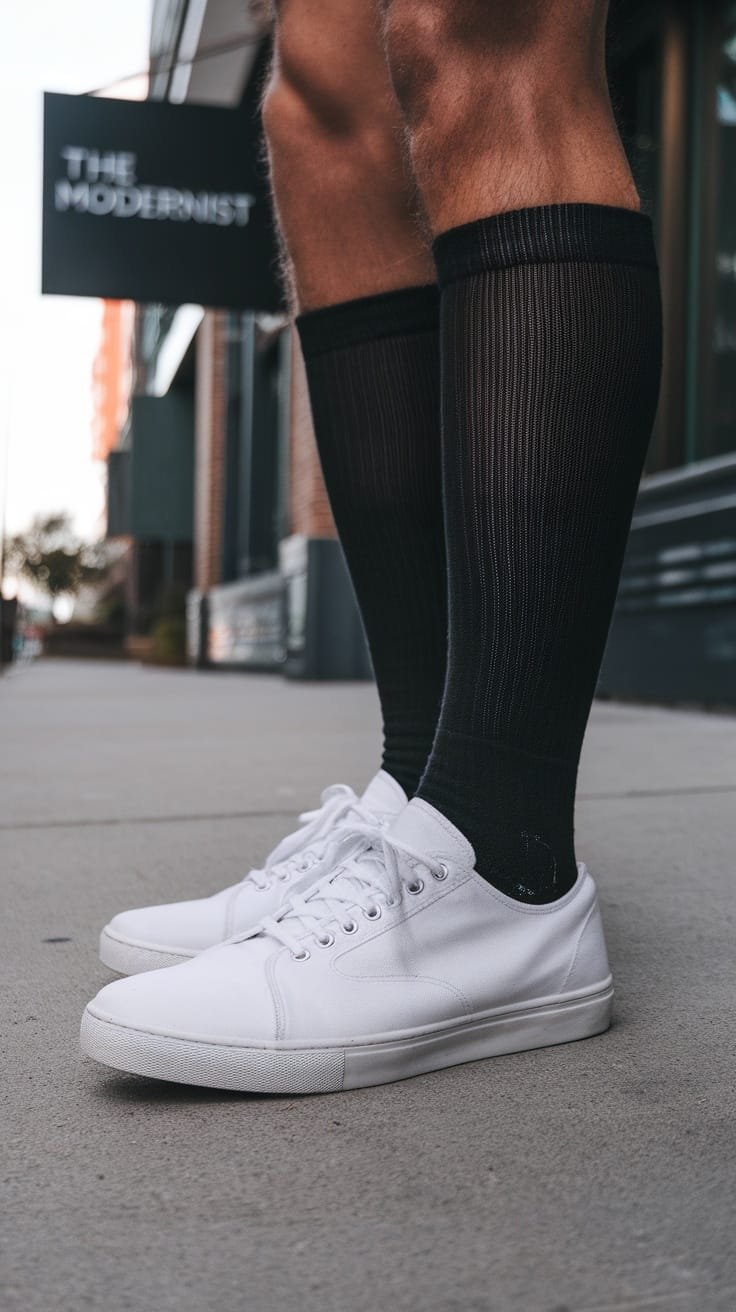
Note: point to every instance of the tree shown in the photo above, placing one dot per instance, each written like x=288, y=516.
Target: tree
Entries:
x=51, y=557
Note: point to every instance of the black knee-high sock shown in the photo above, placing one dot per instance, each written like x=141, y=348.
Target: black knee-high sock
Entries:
x=550, y=345
x=373, y=374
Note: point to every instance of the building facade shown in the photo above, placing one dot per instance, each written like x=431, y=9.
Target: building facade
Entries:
x=266, y=583
x=673, y=73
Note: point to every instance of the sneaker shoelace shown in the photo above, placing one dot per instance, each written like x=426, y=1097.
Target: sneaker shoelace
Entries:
x=340, y=819
x=377, y=873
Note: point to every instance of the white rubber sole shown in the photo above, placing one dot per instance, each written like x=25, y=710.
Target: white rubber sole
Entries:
x=127, y=957
x=289, y=1068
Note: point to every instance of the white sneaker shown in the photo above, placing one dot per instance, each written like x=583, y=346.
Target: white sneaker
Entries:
x=151, y=937
x=404, y=960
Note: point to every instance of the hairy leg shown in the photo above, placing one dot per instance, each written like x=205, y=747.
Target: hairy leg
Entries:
x=346, y=204
x=549, y=344
x=363, y=277
x=506, y=105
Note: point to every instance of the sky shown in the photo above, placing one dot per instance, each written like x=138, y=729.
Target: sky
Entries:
x=48, y=343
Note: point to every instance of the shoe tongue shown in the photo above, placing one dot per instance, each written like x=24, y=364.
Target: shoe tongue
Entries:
x=423, y=830
x=384, y=796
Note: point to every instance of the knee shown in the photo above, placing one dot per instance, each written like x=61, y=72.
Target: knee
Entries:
x=448, y=76
x=316, y=137
x=413, y=40
x=299, y=113
x=320, y=100
x=452, y=58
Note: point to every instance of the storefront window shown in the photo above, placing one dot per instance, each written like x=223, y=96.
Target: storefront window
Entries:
x=254, y=451
x=673, y=82
x=636, y=82
x=722, y=435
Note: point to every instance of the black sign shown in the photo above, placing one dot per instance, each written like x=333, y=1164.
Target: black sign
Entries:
x=148, y=201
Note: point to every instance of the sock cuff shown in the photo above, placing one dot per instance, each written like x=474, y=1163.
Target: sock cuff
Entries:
x=389, y=314
x=546, y=234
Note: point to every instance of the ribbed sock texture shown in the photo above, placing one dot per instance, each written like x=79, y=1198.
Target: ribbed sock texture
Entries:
x=373, y=373
x=550, y=346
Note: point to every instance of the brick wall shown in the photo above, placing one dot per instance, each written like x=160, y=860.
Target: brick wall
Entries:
x=308, y=505
x=210, y=415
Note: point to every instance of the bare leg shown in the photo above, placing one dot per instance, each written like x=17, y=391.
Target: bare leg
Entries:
x=506, y=105
x=550, y=338
x=346, y=204
x=362, y=271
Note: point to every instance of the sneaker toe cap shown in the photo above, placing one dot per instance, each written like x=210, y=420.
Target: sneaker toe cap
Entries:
x=183, y=927
x=214, y=998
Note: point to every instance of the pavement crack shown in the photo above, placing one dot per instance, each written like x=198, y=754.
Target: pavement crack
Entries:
x=118, y=821
x=696, y=790
x=206, y=816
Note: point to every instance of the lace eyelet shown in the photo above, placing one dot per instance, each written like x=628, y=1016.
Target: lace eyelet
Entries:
x=415, y=886
x=350, y=927
x=303, y=955
x=442, y=873
x=373, y=913
x=326, y=941
x=283, y=878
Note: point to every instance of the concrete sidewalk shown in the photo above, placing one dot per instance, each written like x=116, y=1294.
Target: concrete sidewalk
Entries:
x=586, y=1178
